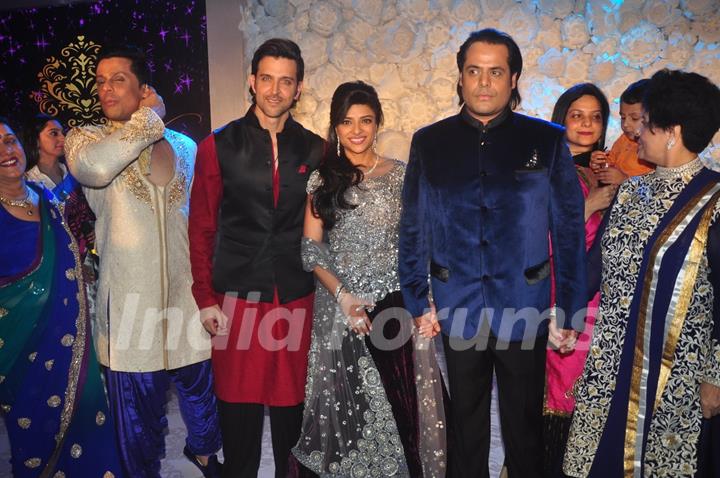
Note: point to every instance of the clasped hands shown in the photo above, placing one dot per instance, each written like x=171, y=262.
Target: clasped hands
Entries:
x=427, y=324
x=563, y=340
x=355, y=309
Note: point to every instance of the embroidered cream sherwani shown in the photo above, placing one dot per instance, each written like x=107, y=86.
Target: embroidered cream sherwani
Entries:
x=147, y=319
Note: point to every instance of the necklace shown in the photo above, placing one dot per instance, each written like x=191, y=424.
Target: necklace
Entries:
x=24, y=203
x=369, y=171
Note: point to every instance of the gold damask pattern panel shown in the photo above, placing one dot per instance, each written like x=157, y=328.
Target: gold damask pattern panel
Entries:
x=139, y=188
x=67, y=84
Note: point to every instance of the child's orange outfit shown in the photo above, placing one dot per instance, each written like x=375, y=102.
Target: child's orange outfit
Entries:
x=624, y=156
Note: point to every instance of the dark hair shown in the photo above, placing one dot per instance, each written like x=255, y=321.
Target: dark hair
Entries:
x=138, y=60
x=634, y=93
x=689, y=100
x=31, y=137
x=278, y=48
x=571, y=95
x=4, y=120
x=494, y=37
x=337, y=172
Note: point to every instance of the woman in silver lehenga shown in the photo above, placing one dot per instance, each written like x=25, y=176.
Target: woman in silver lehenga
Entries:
x=374, y=402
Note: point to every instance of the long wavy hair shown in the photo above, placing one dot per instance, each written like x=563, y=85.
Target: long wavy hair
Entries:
x=574, y=93
x=338, y=173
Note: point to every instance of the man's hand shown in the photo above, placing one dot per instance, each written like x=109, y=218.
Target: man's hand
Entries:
x=427, y=324
x=709, y=399
x=153, y=101
x=214, y=320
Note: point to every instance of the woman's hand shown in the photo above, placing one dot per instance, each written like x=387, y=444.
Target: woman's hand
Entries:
x=598, y=161
x=354, y=310
x=599, y=199
x=610, y=175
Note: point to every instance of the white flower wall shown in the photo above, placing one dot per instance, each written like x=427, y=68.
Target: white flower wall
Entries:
x=406, y=49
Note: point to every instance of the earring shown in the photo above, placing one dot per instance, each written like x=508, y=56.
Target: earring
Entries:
x=374, y=145
x=670, y=143
x=338, y=147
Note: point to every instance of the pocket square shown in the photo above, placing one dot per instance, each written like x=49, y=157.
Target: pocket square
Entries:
x=532, y=163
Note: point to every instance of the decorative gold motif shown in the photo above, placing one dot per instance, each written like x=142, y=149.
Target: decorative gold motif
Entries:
x=24, y=422
x=49, y=364
x=133, y=181
x=176, y=195
x=75, y=451
x=100, y=419
x=67, y=340
x=65, y=301
x=59, y=474
x=2, y=342
x=108, y=475
x=70, y=274
x=79, y=345
x=67, y=84
x=33, y=462
x=32, y=356
x=54, y=401
x=5, y=408
x=2, y=378
x=3, y=312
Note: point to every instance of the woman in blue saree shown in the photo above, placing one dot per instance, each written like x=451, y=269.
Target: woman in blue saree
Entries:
x=51, y=395
x=650, y=390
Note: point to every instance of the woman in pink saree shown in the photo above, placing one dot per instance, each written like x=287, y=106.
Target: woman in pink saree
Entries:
x=584, y=111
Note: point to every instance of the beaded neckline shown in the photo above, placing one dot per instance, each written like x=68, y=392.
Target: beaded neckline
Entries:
x=688, y=169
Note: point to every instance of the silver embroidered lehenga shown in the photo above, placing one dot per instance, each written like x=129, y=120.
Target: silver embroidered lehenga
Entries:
x=374, y=406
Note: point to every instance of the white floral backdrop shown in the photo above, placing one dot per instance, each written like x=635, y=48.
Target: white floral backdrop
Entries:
x=406, y=49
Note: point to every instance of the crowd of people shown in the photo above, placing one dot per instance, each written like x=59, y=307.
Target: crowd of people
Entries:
x=269, y=267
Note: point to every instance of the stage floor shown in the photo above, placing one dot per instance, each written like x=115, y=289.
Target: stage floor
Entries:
x=175, y=465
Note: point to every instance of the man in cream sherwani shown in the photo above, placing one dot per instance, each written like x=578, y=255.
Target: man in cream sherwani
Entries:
x=136, y=176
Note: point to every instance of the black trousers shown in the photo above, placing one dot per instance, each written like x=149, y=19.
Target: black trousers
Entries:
x=242, y=428
x=521, y=381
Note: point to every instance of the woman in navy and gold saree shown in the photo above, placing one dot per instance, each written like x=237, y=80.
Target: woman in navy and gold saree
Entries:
x=51, y=394
x=652, y=376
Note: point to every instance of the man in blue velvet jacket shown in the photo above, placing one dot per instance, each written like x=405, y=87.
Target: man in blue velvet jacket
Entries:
x=486, y=192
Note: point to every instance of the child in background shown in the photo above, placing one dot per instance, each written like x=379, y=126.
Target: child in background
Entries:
x=622, y=160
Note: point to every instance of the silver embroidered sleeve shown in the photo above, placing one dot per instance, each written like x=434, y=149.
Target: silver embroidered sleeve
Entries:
x=97, y=154
x=314, y=254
